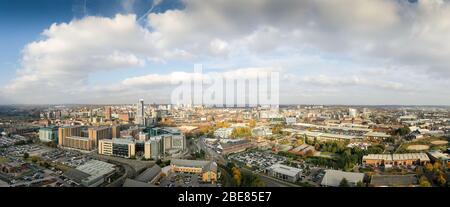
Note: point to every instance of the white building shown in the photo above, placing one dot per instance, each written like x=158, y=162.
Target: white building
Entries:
x=223, y=132
x=284, y=172
x=352, y=112
x=261, y=132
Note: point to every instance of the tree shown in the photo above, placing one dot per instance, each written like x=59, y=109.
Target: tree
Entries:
x=441, y=179
x=34, y=159
x=222, y=124
x=344, y=183
x=298, y=142
x=423, y=182
x=251, y=123
x=26, y=155
x=236, y=173
x=402, y=131
x=429, y=167
x=241, y=132
x=419, y=170
x=437, y=166
x=359, y=184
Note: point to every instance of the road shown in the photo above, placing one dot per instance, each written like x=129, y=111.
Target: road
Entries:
x=211, y=153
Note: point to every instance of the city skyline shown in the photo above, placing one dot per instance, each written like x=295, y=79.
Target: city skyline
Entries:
x=103, y=52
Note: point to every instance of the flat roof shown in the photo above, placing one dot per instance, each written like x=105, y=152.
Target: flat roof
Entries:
x=393, y=180
x=136, y=184
x=96, y=168
x=285, y=170
x=334, y=177
x=394, y=157
x=149, y=174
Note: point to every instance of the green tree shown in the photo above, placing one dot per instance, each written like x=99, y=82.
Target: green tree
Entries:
x=423, y=182
x=402, y=131
x=359, y=184
x=344, y=183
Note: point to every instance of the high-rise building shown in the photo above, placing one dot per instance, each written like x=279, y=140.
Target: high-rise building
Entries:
x=117, y=147
x=67, y=131
x=108, y=113
x=98, y=133
x=352, y=112
x=115, y=129
x=48, y=134
x=140, y=116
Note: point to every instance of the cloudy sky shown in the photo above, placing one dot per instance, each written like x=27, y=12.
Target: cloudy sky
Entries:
x=327, y=52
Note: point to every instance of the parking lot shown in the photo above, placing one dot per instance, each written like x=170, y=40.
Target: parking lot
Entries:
x=9, y=141
x=180, y=180
x=66, y=157
x=257, y=160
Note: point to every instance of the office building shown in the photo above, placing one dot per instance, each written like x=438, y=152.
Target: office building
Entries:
x=284, y=172
x=140, y=113
x=97, y=133
x=153, y=148
x=125, y=148
x=48, y=134
x=115, y=131
x=396, y=159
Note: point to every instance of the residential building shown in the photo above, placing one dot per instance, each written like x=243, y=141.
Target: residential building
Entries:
x=207, y=169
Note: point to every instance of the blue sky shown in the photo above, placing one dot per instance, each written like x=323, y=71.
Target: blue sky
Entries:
x=113, y=51
x=25, y=20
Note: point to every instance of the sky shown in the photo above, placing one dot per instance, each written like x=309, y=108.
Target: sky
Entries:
x=356, y=52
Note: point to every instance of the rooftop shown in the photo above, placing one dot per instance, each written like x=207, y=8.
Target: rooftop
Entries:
x=334, y=177
x=284, y=169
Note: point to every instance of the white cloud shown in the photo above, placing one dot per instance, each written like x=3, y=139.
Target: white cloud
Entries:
x=382, y=37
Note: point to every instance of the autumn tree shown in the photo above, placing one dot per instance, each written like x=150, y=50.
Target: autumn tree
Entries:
x=251, y=123
x=429, y=167
x=236, y=175
x=423, y=182
x=222, y=124
x=441, y=179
